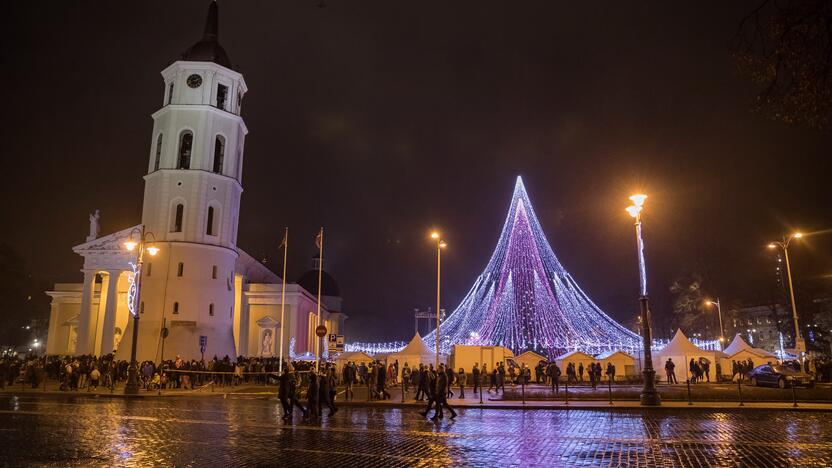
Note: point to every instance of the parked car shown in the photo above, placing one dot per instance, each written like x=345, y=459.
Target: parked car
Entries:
x=779, y=375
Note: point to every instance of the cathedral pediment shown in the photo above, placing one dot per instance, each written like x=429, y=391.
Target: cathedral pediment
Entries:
x=108, y=252
x=267, y=322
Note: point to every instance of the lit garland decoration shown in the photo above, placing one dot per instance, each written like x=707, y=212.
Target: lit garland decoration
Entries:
x=132, y=290
x=525, y=300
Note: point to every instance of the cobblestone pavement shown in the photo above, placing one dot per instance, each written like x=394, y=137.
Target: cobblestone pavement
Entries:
x=83, y=431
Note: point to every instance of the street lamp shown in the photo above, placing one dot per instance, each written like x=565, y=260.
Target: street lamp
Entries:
x=649, y=395
x=721, y=330
x=799, y=344
x=132, y=386
x=440, y=244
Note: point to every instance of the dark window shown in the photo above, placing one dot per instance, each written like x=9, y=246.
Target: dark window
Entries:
x=170, y=92
x=239, y=99
x=211, y=310
x=222, y=95
x=214, y=272
x=149, y=268
x=219, y=154
x=186, y=142
x=180, y=269
x=209, y=227
x=141, y=307
x=158, y=152
x=175, y=307
x=177, y=218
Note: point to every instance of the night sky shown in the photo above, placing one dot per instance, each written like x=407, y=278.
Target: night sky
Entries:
x=381, y=120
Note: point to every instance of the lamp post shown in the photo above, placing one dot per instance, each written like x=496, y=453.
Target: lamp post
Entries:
x=721, y=330
x=440, y=244
x=132, y=386
x=799, y=344
x=649, y=394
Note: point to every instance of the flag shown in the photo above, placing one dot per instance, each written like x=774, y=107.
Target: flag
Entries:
x=319, y=238
x=285, y=239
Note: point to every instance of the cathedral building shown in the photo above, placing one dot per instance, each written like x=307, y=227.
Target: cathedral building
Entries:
x=200, y=291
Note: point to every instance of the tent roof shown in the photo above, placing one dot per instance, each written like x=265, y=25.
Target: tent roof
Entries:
x=681, y=345
x=354, y=355
x=533, y=354
x=739, y=344
x=576, y=354
x=416, y=346
x=610, y=354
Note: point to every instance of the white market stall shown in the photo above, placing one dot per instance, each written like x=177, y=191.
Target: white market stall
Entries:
x=625, y=365
x=577, y=358
x=680, y=350
x=531, y=359
x=356, y=357
x=740, y=350
x=415, y=353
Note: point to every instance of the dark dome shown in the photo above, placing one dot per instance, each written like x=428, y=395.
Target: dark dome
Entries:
x=309, y=282
x=208, y=49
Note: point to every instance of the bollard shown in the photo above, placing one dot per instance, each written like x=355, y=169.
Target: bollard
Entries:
x=523, y=388
x=794, y=395
x=690, y=401
x=609, y=385
x=739, y=390
x=480, y=388
x=566, y=392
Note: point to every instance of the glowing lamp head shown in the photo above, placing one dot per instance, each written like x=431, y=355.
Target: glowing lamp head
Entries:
x=131, y=245
x=153, y=250
x=710, y=303
x=797, y=235
x=634, y=211
x=772, y=246
x=638, y=199
x=434, y=235
x=442, y=244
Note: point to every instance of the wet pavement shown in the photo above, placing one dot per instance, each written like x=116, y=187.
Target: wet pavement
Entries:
x=81, y=430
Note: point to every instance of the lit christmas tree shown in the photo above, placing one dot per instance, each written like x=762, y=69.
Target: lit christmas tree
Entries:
x=525, y=299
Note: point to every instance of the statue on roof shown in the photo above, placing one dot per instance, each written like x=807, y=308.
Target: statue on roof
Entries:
x=94, y=226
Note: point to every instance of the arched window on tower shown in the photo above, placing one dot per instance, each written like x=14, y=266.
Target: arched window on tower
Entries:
x=186, y=141
x=178, y=215
x=158, y=153
x=219, y=154
x=209, y=225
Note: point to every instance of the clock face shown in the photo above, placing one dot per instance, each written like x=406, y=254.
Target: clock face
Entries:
x=194, y=81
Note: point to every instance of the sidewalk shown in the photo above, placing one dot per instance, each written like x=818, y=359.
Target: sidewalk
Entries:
x=471, y=401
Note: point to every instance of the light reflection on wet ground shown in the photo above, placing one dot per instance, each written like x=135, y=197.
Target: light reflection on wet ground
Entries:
x=73, y=431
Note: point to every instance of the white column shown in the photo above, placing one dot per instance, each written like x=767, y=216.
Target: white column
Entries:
x=108, y=332
x=86, y=324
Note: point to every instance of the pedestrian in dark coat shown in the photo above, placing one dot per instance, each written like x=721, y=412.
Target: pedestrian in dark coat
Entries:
x=442, y=384
x=312, y=396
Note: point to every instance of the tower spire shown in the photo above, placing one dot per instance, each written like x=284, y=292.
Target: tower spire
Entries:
x=212, y=22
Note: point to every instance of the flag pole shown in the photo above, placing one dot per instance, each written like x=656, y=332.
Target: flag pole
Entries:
x=320, y=273
x=283, y=296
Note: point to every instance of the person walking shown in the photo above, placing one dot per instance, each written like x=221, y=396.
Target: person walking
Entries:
x=493, y=378
x=611, y=372
x=312, y=397
x=283, y=394
x=461, y=378
x=405, y=378
x=553, y=372
x=501, y=377
x=381, y=383
x=669, y=369
x=451, y=378
x=475, y=376
x=442, y=384
x=430, y=389
x=581, y=371
x=294, y=394
x=419, y=382
x=692, y=371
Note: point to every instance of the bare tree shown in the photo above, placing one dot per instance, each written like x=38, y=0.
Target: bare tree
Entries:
x=785, y=47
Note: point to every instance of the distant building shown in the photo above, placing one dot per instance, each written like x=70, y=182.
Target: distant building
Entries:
x=200, y=284
x=760, y=325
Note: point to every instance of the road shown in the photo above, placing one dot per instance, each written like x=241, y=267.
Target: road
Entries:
x=237, y=431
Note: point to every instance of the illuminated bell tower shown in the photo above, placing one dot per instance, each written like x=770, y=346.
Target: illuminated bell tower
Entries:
x=191, y=205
